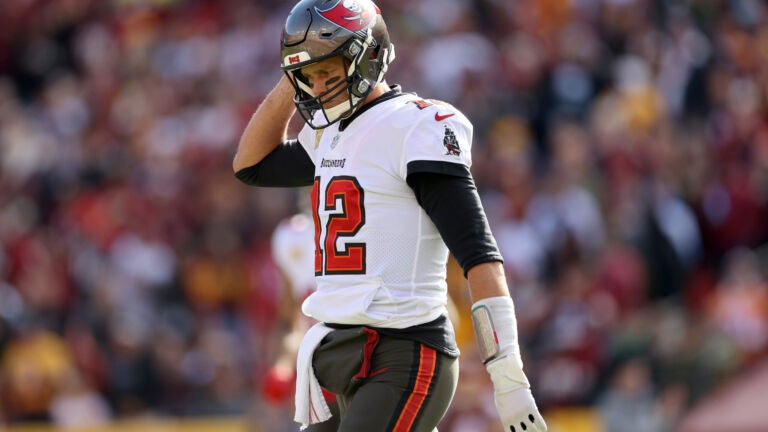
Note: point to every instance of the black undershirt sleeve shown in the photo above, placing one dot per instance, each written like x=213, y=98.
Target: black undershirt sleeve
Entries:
x=447, y=193
x=288, y=165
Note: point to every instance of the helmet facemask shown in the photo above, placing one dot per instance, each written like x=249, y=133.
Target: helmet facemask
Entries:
x=364, y=64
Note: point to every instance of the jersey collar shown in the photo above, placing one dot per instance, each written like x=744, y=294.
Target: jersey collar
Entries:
x=394, y=91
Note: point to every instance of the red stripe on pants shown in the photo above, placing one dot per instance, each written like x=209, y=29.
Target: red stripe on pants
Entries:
x=427, y=362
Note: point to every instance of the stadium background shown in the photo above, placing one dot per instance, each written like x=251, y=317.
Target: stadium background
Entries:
x=621, y=148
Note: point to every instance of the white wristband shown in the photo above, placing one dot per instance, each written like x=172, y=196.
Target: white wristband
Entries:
x=496, y=329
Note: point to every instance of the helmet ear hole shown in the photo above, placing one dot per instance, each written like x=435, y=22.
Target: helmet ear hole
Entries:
x=360, y=87
x=353, y=49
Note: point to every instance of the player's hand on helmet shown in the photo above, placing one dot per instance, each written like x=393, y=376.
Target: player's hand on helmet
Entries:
x=514, y=402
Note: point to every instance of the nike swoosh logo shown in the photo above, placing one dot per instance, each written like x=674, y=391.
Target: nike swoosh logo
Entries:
x=439, y=117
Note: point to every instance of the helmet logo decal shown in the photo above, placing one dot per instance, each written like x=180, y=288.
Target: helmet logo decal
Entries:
x=451, y=143
x=296, y=58
x=350, y=14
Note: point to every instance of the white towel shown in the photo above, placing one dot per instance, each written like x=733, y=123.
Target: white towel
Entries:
x=311, y=406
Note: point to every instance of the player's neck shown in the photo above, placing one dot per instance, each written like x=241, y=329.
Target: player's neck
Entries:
x=377, y=91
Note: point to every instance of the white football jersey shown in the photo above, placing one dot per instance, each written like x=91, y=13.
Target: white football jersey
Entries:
x=293, y=249
x=379, y=259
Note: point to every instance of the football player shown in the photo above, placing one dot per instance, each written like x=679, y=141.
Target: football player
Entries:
x=392, y=194
x=292, y=246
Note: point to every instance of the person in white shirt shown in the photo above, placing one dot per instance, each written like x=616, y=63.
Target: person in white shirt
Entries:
x=293, y=251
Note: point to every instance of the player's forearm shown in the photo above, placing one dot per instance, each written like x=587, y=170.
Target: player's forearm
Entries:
x=267, y=127
x=487, y=280
x=493, y=317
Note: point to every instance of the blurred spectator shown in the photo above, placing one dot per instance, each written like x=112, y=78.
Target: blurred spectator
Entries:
x=570, y=345
x=76, y=406
x=33, y=367
x=739, y=305
x=629, y=403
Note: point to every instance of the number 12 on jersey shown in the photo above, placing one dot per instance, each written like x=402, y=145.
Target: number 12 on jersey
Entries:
x=342, y=199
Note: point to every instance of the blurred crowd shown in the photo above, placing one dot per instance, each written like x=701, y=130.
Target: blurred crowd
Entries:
x=621, y=151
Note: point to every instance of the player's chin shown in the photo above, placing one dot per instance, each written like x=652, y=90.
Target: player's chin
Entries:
x=335, y=102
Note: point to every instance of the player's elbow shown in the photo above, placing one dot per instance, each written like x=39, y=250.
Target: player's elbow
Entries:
x=250, y=175
x=237, y=164
x=242, y=161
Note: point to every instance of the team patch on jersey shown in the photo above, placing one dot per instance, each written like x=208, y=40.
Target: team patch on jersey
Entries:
x=451, y=143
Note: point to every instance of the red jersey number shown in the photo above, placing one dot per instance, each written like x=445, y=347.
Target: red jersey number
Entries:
x=343, y=199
